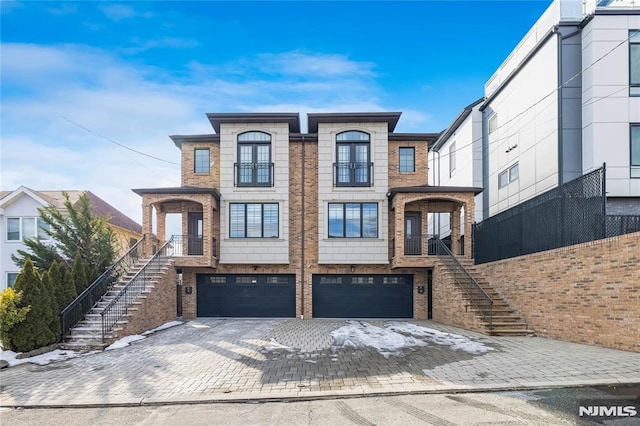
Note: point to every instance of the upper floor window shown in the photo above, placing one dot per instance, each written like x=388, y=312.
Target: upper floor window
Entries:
x=22, y=228
x=353, y=165
x=634, y=63
x=508, y=176
x=407, y=159
x=493, y=123
x=452, y=158
x=201, y=160
x=254, y=166
x=353, y=220
x=253, y=220
x=635, y=150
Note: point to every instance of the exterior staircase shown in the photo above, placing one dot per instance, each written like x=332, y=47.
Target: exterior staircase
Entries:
x=505, y=321
x=88, y=333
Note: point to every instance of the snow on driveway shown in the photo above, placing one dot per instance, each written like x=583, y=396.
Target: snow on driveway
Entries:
x=397, y=335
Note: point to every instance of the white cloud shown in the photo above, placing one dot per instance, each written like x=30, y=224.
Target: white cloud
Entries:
x=140, y=106
x=118, y=12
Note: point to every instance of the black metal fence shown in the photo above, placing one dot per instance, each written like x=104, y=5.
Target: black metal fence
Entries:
x=569, y=214
x=622, y=224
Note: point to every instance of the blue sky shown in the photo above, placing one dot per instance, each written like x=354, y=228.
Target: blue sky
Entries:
x=79, y=78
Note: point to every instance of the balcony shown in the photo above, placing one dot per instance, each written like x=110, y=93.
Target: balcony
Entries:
x=253, y=174
x=188, y=250
x=350, y=174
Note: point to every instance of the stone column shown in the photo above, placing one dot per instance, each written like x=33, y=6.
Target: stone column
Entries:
x=147, y=227
x=161, y=217
x=455, y=231
x=469, y=218
x=398, y=202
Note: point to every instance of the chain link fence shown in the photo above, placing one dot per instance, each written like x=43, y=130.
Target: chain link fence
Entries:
x=569, y=214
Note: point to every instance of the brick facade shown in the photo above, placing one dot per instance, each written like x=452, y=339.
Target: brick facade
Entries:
x=587, y=293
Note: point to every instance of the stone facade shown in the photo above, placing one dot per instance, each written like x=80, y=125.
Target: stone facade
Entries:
x=587, y=293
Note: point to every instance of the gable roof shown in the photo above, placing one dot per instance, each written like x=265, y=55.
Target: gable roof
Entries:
x=56, y=199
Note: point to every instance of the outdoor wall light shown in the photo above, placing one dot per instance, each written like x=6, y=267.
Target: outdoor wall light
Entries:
x=420, y=289
x=353, y=268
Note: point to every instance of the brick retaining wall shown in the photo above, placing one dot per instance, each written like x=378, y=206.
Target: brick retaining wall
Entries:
x=587, y=293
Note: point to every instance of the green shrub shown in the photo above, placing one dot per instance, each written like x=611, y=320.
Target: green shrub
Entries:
x=10, y=314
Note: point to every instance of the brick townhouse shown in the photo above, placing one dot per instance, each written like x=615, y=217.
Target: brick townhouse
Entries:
x=328, y=223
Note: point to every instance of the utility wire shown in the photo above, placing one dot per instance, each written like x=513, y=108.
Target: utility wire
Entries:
x=118, y=143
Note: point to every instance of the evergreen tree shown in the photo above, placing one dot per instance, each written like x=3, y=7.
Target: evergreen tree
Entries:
x=49, y=287
x=35, y=330
x=75, y=229
x=79, y=274
x=68, y=286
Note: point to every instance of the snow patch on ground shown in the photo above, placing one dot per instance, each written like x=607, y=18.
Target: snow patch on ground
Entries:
x=455, y=341
x=44, y=359
x=61, y=355
x=274, y=345
x=127, y=340
x=398, y=336
x=359, y=334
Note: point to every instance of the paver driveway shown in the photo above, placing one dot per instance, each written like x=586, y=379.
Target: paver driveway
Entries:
x=241, y=359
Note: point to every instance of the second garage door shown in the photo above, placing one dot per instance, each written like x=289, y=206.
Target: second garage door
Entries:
x=363, y=296
x=257, y=295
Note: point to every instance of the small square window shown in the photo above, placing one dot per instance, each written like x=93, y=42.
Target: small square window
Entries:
x=407, y=160
x=513, y=173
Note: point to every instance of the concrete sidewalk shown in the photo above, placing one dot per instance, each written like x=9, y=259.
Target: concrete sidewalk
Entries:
x=210, y=360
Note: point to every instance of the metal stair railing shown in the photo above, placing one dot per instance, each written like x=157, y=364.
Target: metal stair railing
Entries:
x=82, y=305
x=479, y=297
x=138, y=284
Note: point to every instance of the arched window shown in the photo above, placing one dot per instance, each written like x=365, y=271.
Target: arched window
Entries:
x=353, y=165
x=254, y=166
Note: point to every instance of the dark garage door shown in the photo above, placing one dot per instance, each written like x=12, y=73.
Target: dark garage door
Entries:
x=363, y=296
x=257, y=295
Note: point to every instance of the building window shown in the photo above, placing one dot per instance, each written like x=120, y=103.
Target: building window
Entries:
x=353, y=220
x=635, y=150
x=407, y=160
x=634, y=63
x=22, y=228
x=508, y=176
x=493, y=123
x=11, y=278
x=254, y=166
x=353, y=159
x=201, y=160
x=452, y=158
x=253, y=220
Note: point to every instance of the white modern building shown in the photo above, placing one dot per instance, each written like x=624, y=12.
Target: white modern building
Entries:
x=563, y=103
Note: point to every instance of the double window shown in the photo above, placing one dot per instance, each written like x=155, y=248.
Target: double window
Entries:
x=635, y=150
x=634, y=63
x=23, y=228
x=253, y=220
x=407, y=159
x=508, y=176
x=353, y=220
x=353, y=165
x=254, y=166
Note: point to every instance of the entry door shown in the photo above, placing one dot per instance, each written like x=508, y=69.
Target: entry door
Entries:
x=412, y=233
x=194, y=229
